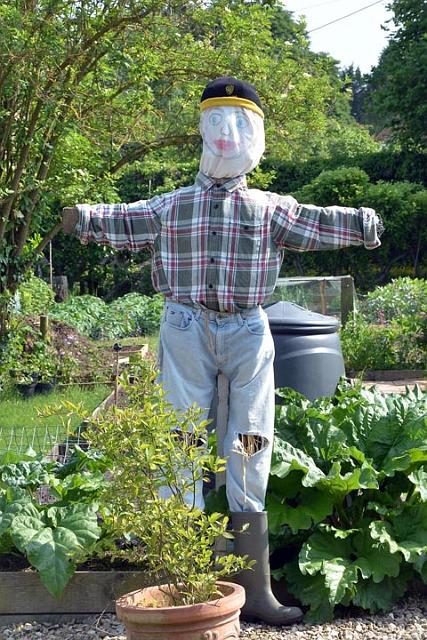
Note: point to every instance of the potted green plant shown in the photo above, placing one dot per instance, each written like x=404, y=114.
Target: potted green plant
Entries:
x=24, y=377
x=156, y=462
x=47, y=369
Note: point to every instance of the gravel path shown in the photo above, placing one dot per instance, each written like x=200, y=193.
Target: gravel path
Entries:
x=408, y=621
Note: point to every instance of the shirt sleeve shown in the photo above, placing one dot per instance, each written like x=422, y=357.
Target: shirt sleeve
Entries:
x=306, y=227
x=121, y=226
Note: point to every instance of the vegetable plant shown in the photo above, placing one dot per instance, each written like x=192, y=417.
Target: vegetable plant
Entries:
x=133, y=314
x=348, y=491
x=399, y=344
x=405, y=297
x=57, y=535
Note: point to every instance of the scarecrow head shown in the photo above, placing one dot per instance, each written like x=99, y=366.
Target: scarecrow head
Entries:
x=232, y=128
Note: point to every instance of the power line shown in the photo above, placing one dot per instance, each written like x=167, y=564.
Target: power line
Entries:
x=346, y=16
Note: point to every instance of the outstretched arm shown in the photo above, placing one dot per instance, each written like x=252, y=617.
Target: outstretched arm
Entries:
x=306, y=227
x=121, y=226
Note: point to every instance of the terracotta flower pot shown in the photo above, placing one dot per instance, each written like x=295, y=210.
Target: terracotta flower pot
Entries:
x=215, y=620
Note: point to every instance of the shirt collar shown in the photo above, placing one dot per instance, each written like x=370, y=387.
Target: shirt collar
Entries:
x=230, y=184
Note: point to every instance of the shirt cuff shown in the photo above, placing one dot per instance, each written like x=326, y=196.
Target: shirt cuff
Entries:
x=82, y=227
x=372, y=228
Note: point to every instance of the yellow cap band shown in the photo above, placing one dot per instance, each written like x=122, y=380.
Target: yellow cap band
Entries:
x=231, y=101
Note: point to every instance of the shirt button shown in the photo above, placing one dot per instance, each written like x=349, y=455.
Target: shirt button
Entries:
x=216, y=206
x=211, y=286
x=214, y=233
x=217, y=185
x=212, y=259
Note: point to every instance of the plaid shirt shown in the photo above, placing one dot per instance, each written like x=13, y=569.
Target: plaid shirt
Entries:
x=220, y=244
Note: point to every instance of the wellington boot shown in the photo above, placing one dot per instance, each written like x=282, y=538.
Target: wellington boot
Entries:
x=260, y=603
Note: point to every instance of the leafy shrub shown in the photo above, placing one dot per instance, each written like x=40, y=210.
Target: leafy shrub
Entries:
x=348, y=491
x=153, y=314
x=131, y=315
x=82, y=312
x=345, y=186
x=34, y=296
x=398, y=345
x=401, y=297
x=154, y=469
x=28, y=356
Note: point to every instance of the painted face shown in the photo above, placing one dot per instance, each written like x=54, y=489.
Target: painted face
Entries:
x=233, y=141
x=229, y=132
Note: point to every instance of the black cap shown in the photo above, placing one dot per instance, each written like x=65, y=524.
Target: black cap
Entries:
x=226, y=90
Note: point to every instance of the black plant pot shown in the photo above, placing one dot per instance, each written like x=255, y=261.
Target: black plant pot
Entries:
x=26, y=390
x=44, y=387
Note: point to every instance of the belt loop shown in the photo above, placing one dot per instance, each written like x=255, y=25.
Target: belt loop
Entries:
x=240, y=319
x=198, y=313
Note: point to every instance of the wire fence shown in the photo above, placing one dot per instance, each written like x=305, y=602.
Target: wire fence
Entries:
x=54, y=442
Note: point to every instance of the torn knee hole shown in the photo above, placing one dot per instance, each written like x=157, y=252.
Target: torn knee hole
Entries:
x=249, y=444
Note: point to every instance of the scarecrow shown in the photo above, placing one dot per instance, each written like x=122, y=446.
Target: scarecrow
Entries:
x=217, y=249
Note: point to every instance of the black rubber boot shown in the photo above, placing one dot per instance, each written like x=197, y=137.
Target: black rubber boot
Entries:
x=260, y=602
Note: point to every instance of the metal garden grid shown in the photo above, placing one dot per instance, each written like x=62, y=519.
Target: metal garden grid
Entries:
x=48, y=440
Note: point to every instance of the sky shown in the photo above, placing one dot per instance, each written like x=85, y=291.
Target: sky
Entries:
x=357, y=39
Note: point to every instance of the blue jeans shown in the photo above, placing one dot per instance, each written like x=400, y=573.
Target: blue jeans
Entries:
x=195, y=346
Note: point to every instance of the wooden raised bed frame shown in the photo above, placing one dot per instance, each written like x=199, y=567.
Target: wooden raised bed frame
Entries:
x=23, y=598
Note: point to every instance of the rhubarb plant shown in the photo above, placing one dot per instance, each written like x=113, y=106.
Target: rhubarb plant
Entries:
x=61, y=532
x=348, y=490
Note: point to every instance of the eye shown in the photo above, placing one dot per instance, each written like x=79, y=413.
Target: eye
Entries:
x=215, y=119
x=241, y=122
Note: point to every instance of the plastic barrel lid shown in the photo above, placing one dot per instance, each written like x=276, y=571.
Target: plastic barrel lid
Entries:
x=287, y=317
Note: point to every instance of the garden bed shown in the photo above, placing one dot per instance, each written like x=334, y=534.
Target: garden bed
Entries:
x=389, y=375
x=24, y=598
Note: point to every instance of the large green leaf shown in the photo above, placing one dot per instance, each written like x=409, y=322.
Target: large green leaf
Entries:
x=287, y=458
x=342, y=555
x=323, y=546
x=339, y=483
x=280, y=513
x=310, y=429
x=26, y=474
x=406, y=533
x=389, y=429
x=374, y=560
x=380, y=596
x=13, y=502
x=419, y=479
x=340, y=577
x=82, y=486
x=51, y=539
x=309, y=507
x=331, y=556
x=420, y=565
x=11, y=457
x=310, y=591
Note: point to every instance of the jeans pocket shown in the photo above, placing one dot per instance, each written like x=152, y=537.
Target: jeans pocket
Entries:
x=257, y=325
x=178, y=318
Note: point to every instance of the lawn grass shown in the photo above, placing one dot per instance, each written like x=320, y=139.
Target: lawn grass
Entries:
x=21, y=426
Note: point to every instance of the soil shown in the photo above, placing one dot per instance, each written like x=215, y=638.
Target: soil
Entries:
x=16, y=562
x=95, y=362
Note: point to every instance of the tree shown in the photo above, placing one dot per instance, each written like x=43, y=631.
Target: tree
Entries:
x=88, y=87
x=398, y=89
x=356, y=82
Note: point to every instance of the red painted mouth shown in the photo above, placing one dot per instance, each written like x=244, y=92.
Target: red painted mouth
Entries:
x=225, y=145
